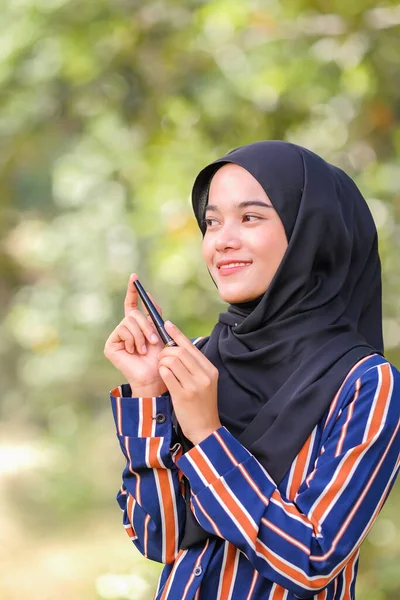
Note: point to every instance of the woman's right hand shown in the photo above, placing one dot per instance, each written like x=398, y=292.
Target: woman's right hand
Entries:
x=133, y=350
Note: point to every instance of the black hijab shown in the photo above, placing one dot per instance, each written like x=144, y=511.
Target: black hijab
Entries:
x=282, y=356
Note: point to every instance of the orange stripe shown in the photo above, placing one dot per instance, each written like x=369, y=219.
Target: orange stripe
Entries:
x=279, y=592
x=147, y=417
x=289, y=571
x=129, y=508
x=168, y=512
x=229, y=572
x=130, y=505
x=380, y=405
x=130, y=531
x=153, y=447
x=350, y=460
x=116, y=392
x=300, y=464
x=322, y=595
x=236, y=511
x=348, y=577
x=202, y=465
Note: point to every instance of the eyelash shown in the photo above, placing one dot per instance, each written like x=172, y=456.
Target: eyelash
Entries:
x=205, y=224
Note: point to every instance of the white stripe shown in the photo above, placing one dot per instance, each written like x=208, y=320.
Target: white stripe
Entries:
x=307, y=461
x=390, y=392
x=160, y=460
x=172, y=491
x=162, y=515
x=202, y=510
x=253, y=585
x=153, y=415
x=309, y=455
x=222, y=572
x=147, y=453
x=350, y=411
x=373, y=406
x=291, y=475
x=140, y=420
x=281, y=505
x=234, y=574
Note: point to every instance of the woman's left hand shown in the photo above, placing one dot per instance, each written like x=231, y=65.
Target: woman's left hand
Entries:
x=192, y=381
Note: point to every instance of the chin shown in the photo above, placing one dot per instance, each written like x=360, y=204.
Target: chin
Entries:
x=232, y=297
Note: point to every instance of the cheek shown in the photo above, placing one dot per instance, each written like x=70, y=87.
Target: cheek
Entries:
x=206, y=252
x=270, y=245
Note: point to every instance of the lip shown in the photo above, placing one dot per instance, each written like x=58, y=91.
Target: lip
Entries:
x=231, y=270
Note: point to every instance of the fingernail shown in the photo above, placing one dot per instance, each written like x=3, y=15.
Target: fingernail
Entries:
x=169, y=323
x=154, y=338
x=144, y=349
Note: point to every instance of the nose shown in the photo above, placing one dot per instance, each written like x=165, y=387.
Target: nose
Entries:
x=227, y=240
x=224, y=243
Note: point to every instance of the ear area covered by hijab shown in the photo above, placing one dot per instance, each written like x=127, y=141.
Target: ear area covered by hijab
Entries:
x=282, y=357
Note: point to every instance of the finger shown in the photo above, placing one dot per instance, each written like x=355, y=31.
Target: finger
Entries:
x=178, y=369
x=192, y=365
x=140, y=341
x=122, y=334
x=132, y=297
x=184, y=342
x=170, y=381
x=149, y=330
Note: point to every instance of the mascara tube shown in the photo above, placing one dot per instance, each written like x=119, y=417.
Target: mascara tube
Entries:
x=155, y=315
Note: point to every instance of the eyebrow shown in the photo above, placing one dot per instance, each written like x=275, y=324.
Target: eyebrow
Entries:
x=243, y=204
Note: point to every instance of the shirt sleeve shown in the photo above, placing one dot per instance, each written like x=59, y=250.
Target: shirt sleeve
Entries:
x=150, y=496
x=303, y=544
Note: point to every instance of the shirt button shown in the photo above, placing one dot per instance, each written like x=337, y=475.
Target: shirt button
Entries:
x=160, y=418
x=197, y=571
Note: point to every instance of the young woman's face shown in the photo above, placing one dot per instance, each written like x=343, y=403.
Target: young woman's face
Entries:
x=244, y=227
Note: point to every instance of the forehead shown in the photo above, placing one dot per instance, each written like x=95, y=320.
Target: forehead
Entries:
x=231, y=186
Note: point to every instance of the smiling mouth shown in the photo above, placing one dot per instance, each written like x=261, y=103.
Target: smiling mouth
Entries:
x=232, y=268
x=234, y=264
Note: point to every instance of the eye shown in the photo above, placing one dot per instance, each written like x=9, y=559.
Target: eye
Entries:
x=251, y=217
x=207, y=222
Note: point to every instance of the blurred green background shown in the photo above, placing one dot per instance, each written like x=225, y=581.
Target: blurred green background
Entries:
x=108, y=110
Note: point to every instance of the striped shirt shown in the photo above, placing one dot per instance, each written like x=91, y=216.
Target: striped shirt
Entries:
x=299, y=539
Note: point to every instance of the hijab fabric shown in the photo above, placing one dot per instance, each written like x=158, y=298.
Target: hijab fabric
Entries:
x=283, y=356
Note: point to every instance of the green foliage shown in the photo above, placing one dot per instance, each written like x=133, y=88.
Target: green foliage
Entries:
x=108, y=110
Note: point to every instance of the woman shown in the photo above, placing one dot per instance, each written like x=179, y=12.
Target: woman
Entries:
x=259, y=457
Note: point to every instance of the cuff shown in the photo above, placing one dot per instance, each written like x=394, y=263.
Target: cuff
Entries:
x=141, y=417
x=215, y=457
